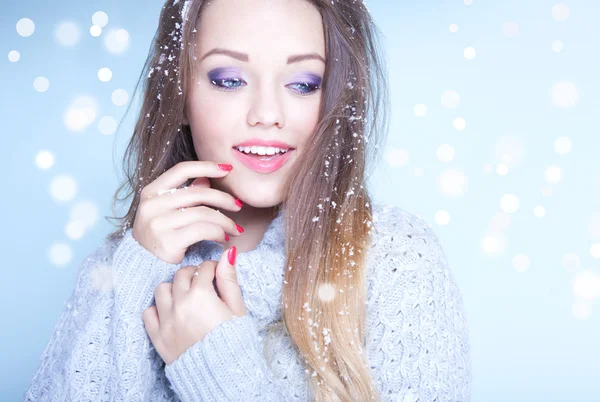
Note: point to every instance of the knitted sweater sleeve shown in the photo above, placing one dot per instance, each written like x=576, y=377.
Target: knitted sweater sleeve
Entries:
x=416, y=337
x=99, y=349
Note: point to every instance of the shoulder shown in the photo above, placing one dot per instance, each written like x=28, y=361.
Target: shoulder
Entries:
x=415, y=319
x=401, y=240
x=407, y=265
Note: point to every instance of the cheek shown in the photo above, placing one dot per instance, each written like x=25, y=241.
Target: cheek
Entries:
x=209, y=118
x=305, y=119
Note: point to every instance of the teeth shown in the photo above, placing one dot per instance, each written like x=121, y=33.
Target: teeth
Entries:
x=261, y=150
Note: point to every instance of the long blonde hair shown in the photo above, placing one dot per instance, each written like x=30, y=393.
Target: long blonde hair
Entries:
x=328, y=224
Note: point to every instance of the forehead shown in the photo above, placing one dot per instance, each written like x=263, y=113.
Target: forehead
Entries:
x=264, y=29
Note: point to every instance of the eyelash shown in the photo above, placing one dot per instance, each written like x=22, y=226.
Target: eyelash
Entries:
x=215, y=83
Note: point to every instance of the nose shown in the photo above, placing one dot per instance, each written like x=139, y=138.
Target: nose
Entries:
x=266, y=108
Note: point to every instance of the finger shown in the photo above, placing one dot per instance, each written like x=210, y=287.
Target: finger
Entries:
x=163, y=298
x=191, y=197
x=227, y=283
x=151, y=321
x=180, y=218
x=182, y=280
x=200, y=182
x=180, y=173
x=198, y=231
x=206, y=274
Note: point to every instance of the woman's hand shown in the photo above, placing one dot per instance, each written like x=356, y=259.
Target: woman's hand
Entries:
x=189, y=308
x=169, y=220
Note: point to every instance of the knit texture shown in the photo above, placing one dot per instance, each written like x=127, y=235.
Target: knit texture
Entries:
x=416, y=334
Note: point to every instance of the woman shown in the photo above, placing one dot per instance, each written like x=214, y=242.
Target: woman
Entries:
x=317, y=294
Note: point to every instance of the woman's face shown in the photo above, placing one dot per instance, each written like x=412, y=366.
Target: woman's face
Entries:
x=256, y=92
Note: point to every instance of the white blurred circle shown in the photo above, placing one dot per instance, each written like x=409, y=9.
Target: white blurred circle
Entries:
x=560, y=12
x=581, y=309
x=14, y=56
x=445, y=153
x=450, y=99
x=326, y=292
x=488, y=168
x=107, y=125
x=60, y=253
x=442, y=217
x=539, y=211
x=80, y=113
x=105, y=74
x=418, y=172
x=571, y=262
x=452, y=183
x=564, y=94
x=553, y=174
x=397, y=157
x=468, y=2
x=469, y=53
x=84, y=212
x=562, y=145
x=44, y=160
x=453, y=28
x=101, y=277
x=594, y=227
x=510, y=29
x=502, y=169
x=586, y=285
x=459, y=124
x=74, y=230
x=557, y=46
x=119, y=97
x=41, y=84
x=509, y=203
x=67, y=34
x=25, y=27
x=595, y=250
x=493, y=243
x=547, y=191
x=420, y=110
x=95, y=31
x=63, y=188
x=499, y=222
x=521, y=263
x=116, y=41
x=122, y=36
x=100, y=19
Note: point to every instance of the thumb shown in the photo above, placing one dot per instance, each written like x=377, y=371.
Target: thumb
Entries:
x=227, y=283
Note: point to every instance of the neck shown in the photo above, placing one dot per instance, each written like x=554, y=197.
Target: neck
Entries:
x=255, y=222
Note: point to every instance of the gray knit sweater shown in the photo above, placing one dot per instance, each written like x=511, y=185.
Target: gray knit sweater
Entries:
x=416, y=335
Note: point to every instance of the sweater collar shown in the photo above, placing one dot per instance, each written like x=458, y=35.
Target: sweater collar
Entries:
x=260, y=272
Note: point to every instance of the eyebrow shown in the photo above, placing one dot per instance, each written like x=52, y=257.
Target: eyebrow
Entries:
x=244, y=57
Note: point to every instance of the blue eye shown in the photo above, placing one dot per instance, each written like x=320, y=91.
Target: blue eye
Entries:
x=307, y=88
x=221, y=87
x=231, y=84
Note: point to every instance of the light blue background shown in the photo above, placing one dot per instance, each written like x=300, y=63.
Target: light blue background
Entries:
x=527, y=342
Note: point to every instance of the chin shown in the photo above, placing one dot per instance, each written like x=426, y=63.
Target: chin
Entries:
x=260, y=199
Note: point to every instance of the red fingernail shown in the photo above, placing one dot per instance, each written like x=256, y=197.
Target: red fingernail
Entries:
x=232, y=255
x=226, y=237
x=239, y=228
x=238, y=203
x=225, y=167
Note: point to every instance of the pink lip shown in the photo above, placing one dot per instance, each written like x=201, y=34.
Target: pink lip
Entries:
x=257, y=142
x=260, y=166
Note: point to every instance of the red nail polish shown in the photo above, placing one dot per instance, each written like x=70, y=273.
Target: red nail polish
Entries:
x=225, y=167
x=238, y=203
x=232, y=255
x=226, y=237
x=239, y=228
